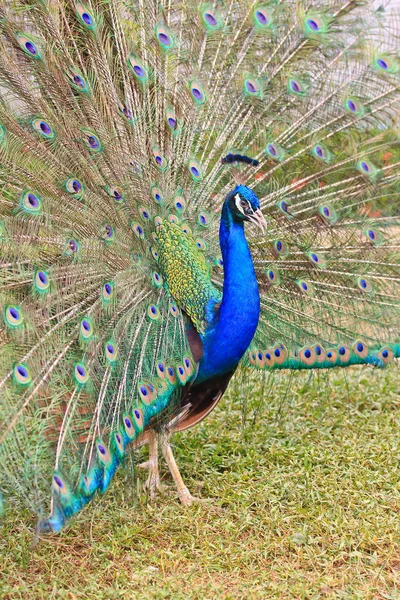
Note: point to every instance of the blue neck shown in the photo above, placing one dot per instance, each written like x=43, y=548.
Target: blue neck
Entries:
x=228, y=337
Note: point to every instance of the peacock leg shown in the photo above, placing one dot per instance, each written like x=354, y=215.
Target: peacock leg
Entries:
x=153, y=480
x=183, y=493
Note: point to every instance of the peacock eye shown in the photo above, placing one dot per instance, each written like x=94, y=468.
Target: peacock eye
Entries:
x=243, y=203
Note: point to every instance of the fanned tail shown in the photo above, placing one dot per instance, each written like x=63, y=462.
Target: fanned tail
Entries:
x=114, y=118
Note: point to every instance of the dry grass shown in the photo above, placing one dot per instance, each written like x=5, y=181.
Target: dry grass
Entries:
x=307, y=506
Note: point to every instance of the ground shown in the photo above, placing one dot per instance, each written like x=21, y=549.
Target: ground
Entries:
x=306, y=485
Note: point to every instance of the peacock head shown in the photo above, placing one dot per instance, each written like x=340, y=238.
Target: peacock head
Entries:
x=244, y=205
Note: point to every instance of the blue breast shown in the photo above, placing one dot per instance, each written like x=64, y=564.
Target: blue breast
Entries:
x=230, y=332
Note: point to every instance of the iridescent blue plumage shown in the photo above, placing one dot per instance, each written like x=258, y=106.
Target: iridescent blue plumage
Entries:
x=229, y=333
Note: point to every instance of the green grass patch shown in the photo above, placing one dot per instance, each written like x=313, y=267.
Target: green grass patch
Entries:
x=307, y=499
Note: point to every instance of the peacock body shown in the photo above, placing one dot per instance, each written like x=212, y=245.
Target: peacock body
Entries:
x=122, y=127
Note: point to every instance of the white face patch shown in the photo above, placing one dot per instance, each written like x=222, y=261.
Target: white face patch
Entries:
x=238, y=203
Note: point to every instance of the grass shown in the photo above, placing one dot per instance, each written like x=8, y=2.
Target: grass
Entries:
x=307, y=500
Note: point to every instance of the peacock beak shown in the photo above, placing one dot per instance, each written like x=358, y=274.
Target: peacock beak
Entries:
x=258, y=218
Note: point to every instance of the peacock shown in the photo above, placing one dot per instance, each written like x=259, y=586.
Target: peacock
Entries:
x=186, y=186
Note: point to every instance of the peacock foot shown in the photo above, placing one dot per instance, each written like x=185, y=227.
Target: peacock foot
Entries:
x=153, y=482
x=183, y=493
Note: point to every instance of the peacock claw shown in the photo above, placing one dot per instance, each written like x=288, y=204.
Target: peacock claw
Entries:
x=184, y=495
x=187, y=499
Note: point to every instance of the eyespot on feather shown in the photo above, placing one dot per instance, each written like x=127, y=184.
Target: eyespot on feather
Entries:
x=144, y=213
x=164, y=36
x=147, y=392
x=252, y=357
x=384, y=63
x=29, y=44
x=85, y=16
x=367, y=168
x=173, y=218
x=262, y=17
x=110, y=352
x=107, y=233
x=118, y=443
x=296, y=87
x=22, y=375
x=179, y=201
x=138, y=69
x=173, y=309
x=74, y=187
x=211, y=18
x=91, y=140
x=160, y=160
x=331, y=356
x=354, y=106
x=315, y=24
x=281, y=248
x=188, y=365
x=43, y=128
x=328, y=214
x=107, y=292
x=360, y=348
x=320, y=353
x=273, y=277
x=30, y=203
x=269, y=358
x=138, y=230
x=181, y=374
x=41, y=282
x=322, y=153
x=279, y=353
x=195, y=169
x=133, y=426
x=81, y=374
x=275, y=151
x=171, y=375
x=157, y=279
x=306, y=287
x=285, y=208
x=201, y=244
x=344, y=353
x=259, y=359
x=157, y=194
x=204, y=219
x=103, y=453
x=13, y=316
x=86, y=329
x=316, y=259
x=137, y=419
x=252, y=86
x=78, y=81
x=386, y=355
x=365, y=285
x=307, y=356
x=161, y=369
x=373, y=236
x=115, y=192
x=197, y=92
x=186, y=229
x=153, y=313
x=72, y=247
x=171, y=119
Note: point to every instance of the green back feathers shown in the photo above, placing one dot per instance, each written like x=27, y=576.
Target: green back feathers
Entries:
x=185, y=271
